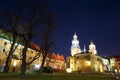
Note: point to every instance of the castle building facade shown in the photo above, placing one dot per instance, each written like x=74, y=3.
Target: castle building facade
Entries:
x=116, y=65
x=86, y=61
x=53, y=60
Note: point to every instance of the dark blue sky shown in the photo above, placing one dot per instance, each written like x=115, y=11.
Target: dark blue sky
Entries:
x=97, y=20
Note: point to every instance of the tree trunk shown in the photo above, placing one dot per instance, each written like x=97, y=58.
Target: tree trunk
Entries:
x=42, y=65
x=8, y=62
x=9, y=57
x=23, y=65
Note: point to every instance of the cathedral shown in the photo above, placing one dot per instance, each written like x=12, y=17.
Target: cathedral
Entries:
x=86, y=61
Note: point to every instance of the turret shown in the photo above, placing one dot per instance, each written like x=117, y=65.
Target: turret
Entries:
x=75, y=47
x=92, y=48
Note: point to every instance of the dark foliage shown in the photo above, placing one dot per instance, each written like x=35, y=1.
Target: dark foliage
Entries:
x=47, y=69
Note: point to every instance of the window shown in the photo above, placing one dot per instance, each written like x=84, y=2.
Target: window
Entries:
x=32, y=52
x=98, y=59
x=3, y=49
x=5, y=43
x=77, y=57
x=119, y=63
x=38, y=59
x=0, y=60
x=30, y=57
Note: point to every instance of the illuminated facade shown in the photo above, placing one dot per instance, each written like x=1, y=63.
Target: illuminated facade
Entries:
x=55, y=61
x=75, y=47
x=92, y=48
x=86, y=61
x=115, y=65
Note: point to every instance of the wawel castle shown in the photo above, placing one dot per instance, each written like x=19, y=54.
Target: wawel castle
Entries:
x=84, y=61
x=53, y=60
x=89, y=61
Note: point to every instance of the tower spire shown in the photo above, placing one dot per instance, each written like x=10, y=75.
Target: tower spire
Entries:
x=75, y=47
x=84, y=50
x=74, y=32
x=91, y=42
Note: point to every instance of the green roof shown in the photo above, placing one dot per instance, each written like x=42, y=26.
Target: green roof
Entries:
x=7, y=35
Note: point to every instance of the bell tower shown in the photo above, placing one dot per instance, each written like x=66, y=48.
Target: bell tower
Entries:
x=75, y=47
x=92, y=48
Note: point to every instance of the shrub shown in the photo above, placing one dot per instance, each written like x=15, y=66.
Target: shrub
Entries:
x=47, y=69
x=79, y=71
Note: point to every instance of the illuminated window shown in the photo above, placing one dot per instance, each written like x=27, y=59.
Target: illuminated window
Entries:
x=88, y=62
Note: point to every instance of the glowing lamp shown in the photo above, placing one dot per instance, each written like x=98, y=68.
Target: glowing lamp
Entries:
x=88, y=62
x=14, y=63
x=37, y=66
x=115, y=70
x=68, y=70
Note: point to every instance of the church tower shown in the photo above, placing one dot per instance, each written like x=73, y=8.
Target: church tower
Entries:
x=75, y=47
x=92, y=48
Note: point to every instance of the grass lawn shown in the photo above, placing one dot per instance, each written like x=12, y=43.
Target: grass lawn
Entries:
x=15, y=76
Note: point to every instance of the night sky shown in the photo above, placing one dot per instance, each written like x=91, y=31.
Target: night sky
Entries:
x=96, y=20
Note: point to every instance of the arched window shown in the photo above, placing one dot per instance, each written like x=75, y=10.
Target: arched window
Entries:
x=4, y=47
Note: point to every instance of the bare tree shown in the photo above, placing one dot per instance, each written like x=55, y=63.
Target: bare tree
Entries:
x=31, y=15
x=35, y=15
x=47, y=38
x=11, y=29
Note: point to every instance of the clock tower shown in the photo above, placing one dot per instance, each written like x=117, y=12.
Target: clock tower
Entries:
x=75, y=47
